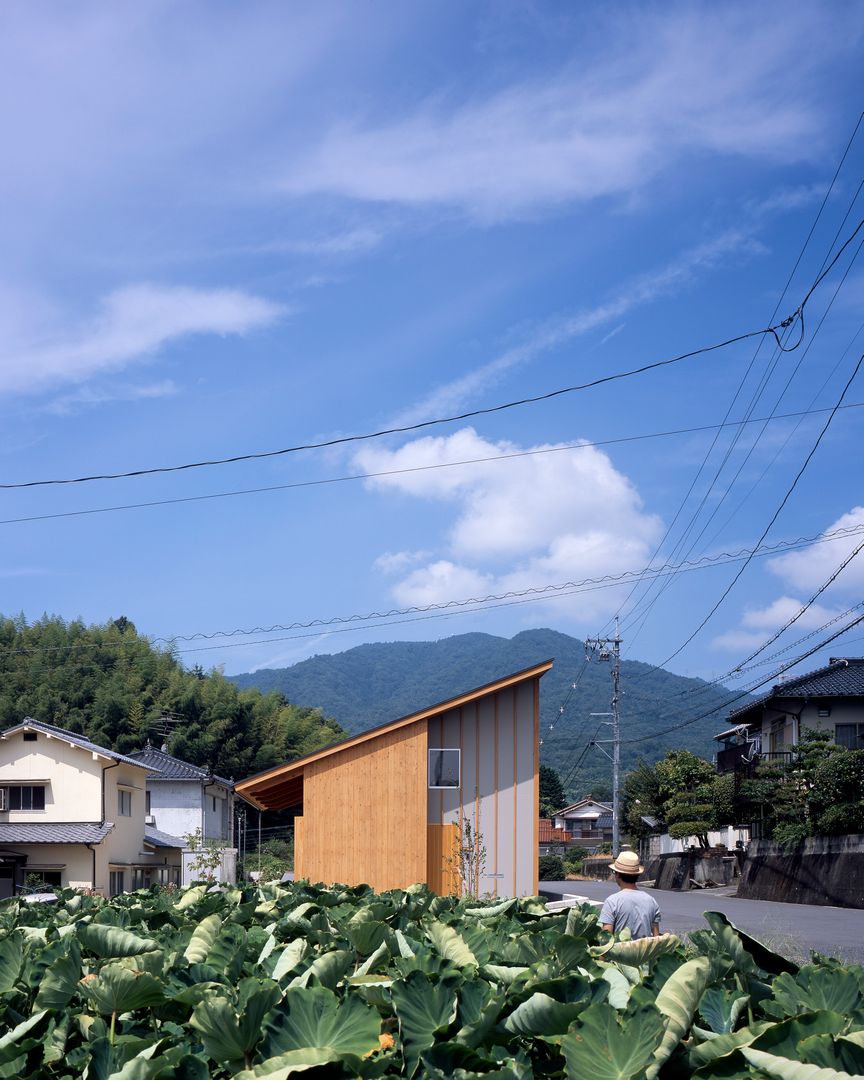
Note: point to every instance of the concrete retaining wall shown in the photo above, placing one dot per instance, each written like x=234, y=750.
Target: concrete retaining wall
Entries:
x=676, y=870
x=821, y=870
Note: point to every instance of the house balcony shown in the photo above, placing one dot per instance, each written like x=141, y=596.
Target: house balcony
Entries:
x=746, y=756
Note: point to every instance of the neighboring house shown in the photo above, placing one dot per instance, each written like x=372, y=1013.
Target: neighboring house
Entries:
x=183, y=799
x=829, y=699
x=72, y=815
x=552, y=841
x=587, y=823
x=390, y=806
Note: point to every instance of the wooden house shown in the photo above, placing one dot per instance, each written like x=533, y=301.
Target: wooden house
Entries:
x=395, y=805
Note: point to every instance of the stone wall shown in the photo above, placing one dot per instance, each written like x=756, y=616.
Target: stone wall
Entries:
x=821, y=870
x=676, y=870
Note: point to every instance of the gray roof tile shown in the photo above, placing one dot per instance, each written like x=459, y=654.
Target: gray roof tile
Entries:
x=162, y=839
x=40, y=832
x=165, y=766
x=70, y=736
x=840, y=678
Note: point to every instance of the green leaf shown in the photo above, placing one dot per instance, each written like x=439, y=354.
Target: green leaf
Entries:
x=289, y=958
x=677, y=1001
x=743, y=948
x=111, y=941
x=788, y=1069
x=450, y=944
x=783, y=1039
x=491, y=911
x=118, y=989
x=842, y=1053
x=619, y=987
x=60, y=981
x=203, y=937
x=294, y=1061
x=230, y=1033
x=706, y=1052
x=813, y=989
x=505, y=974
x=325, y=970
x=721, y=1009
x=602, y=1049
x=191, y=897
x=637, y=952
x=11, y=955
x=424, y=1010
x=541, y=1014
x=313, y=1018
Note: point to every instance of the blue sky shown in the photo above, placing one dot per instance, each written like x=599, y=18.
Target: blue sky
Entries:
x=233, y=228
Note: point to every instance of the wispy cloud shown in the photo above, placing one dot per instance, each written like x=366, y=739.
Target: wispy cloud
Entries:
x=90, y=396
x=664, y=281
x=675, y=85
x=133, y=324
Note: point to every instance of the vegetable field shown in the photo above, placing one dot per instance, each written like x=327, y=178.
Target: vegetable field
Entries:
x=273, y=981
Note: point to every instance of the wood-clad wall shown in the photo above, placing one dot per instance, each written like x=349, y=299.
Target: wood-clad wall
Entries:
x=442, y=865
x=364, y=813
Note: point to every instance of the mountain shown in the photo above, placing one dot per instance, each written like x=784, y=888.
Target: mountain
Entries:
x=372, y=684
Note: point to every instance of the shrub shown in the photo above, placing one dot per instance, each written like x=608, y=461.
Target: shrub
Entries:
x=551, y=868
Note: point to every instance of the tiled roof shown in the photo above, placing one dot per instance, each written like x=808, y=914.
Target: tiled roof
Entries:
x=162, y=839
x=604, y=821
x=589, y=800
x=53, y=832
x=839, y=678
x=29, y=724
x=165, y=766
x=548, y=834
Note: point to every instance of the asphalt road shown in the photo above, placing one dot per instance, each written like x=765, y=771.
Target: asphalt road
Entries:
x=792, y=929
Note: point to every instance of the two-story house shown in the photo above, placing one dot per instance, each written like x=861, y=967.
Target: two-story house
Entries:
x=181, y=800
x=72, y=815
x=829, y=699
x=587, y=823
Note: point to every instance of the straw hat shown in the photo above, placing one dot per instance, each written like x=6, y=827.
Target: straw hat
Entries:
x=627, y=863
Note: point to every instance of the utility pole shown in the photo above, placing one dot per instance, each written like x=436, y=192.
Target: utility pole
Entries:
x=603, y=652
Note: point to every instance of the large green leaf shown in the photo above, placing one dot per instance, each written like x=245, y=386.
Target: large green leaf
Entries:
x=722, y=1009
x=294, y=1061
x=788, y=1069
x=450, y=944
x=315, y=1019
x=424, y=1010
x=541, y=1014
x=230, y=1033
x=705, y=1052
x=325, y=970
x=602, y=1049
x=11, y=956
x=491, y=911
x=841, y=1053
x=60, y=981
x=677, y=1001
x=746, y=950
x=112, y=941
x=835, y=989
x=639, y=951
x=203, y=937
x=783, y=1039
x=119, y=989
x=289, y=958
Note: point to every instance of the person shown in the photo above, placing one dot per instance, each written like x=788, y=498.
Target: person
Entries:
x=630, y=908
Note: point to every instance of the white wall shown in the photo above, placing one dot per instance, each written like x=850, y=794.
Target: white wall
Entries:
x=176, y=806
x=74, y=778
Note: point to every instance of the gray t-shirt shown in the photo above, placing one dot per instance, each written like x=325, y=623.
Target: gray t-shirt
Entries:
x=632, y=908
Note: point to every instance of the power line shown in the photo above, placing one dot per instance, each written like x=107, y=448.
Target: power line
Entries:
x=353, y=477
x=797, y=316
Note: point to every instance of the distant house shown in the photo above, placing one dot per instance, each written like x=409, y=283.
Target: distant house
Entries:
x=587, y=823
x=182, y=799
x=552, y=841
x=829, y=699
x=72, y=814
x=391, y=807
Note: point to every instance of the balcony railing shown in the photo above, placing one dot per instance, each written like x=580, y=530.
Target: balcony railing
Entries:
x=746, y=756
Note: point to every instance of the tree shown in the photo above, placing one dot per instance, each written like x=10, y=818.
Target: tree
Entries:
x=552, y=796
x=682, y=792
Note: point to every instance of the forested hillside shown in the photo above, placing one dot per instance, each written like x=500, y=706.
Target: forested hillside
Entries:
x=371, y=684
x=112, y=685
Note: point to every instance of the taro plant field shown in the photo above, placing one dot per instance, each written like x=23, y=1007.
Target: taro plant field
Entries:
x=339, y=982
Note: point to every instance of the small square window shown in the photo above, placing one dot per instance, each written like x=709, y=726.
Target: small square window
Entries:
x=124, y=803
x=30, y=736
x=444, y=768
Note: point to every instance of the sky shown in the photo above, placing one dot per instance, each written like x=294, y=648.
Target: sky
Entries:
x=235, y=229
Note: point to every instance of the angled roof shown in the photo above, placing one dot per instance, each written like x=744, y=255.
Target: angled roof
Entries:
x=589, y=800
x=162, y=839
x=164, y=766
x=40, y=832
x=254, y=787
x=70, y=737
x=841, y=677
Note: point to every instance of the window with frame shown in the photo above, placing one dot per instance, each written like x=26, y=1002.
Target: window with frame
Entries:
x=26, y=797
x=147, y=802
x=124, y=802
x=849, y=735
x=444, y=767
x=115, y=882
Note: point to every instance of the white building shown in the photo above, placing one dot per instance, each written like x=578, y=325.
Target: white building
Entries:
x=72, y=815
x=183, y=799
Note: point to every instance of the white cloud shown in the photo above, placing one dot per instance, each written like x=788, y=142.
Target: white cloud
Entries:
x=757, y=624
x=674, y=85
x=526, y=521
x=809, y=568
x=133, y=324
x=90, y=396
x=556, y=332
x=397, y=562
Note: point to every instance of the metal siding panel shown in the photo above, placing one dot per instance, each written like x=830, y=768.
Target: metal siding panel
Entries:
x=434, y=801
x=451, y=734
x=526, y=811
x=486, y=788
x=506, y=804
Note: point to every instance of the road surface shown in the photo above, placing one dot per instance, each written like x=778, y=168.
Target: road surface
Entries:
x=791, y=929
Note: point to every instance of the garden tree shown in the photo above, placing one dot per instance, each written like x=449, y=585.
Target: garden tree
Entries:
x=110, y=684
x=837, y=800
x=642, y=799
x=551, y=792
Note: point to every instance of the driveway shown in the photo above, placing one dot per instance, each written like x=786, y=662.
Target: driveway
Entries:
x=791, y=929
